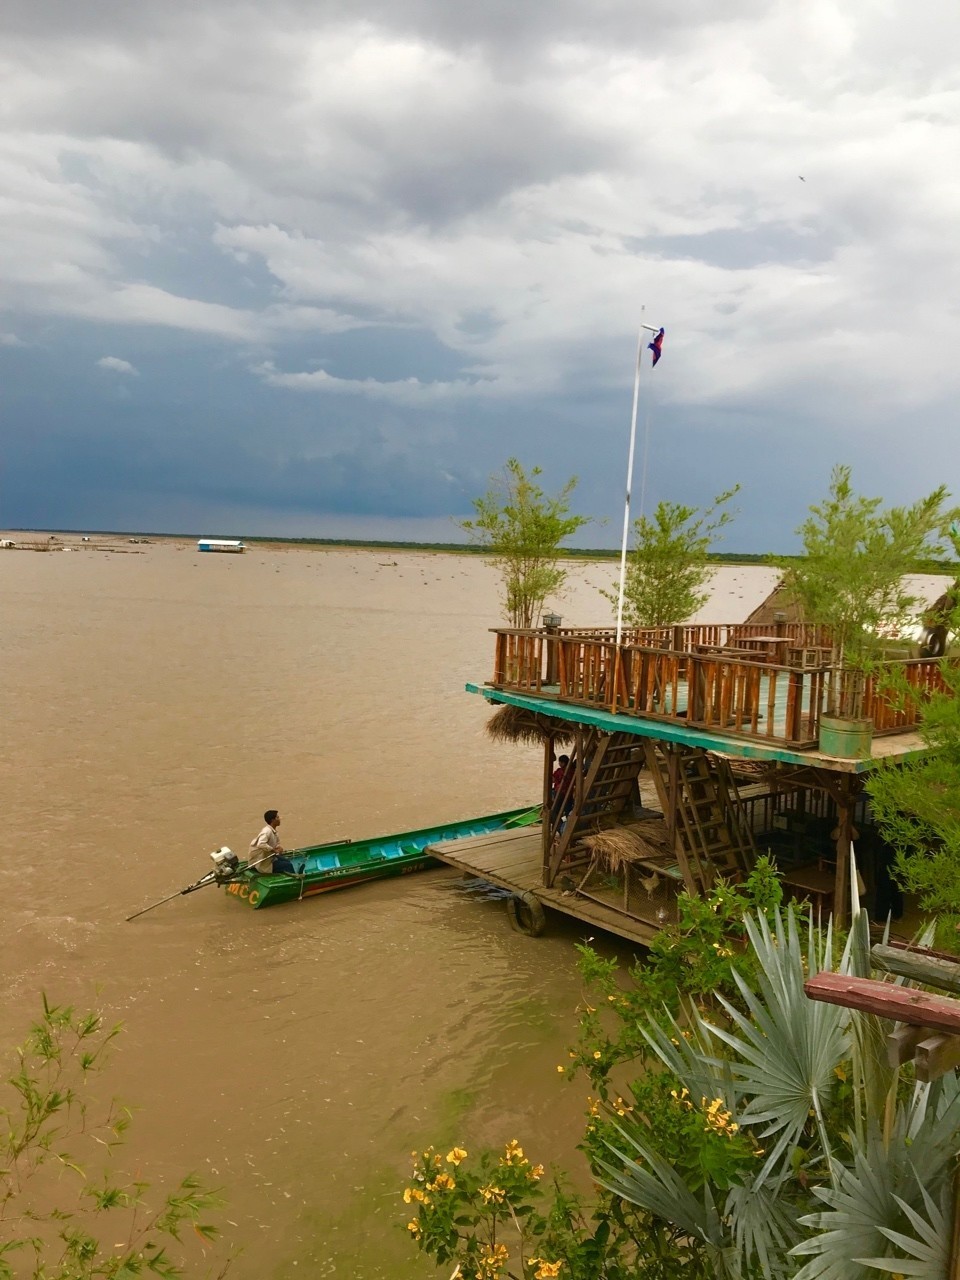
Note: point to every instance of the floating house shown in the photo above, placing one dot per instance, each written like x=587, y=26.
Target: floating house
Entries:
x=219, y=544
x=693, y=749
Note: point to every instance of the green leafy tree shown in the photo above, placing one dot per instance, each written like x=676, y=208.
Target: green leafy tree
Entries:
x=917, y=808
x=668, y=569
x=850, y=579
x=59, y=1195
x=521, y=528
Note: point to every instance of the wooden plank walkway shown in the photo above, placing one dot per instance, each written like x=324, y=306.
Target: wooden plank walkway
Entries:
x=514, y=859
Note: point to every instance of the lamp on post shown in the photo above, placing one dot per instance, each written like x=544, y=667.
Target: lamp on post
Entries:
x=551, y=624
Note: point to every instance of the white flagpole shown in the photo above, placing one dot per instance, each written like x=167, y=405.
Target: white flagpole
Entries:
x=644, y=328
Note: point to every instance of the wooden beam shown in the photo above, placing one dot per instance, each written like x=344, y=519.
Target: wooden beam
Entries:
x=936, y=1055
x=919, y=967
x=900, y=1004
x=902, y=1044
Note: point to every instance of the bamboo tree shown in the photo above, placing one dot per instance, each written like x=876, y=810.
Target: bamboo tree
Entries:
x=668, y=569
x=851, y=577
x=521, y=528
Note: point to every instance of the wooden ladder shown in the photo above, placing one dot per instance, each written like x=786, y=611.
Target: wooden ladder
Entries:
x=601, y=785
x=705, y=816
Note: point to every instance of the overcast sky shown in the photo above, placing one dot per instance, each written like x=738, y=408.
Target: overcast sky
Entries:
x=320, y=268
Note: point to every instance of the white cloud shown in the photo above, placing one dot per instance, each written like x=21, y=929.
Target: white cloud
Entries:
x=116, y=365
x=11, y=340
x=406, y=391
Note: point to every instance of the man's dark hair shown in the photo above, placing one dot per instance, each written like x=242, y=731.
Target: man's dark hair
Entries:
x=269, y=816
x=564, y=759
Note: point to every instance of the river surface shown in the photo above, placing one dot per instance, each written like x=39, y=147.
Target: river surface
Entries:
x=154, y=701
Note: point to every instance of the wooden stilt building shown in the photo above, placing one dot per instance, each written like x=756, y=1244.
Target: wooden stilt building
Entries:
x=694, y=748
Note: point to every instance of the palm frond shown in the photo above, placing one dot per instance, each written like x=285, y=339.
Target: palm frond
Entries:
x=869, y=1216
x=786, y=1047
x=648, y=1181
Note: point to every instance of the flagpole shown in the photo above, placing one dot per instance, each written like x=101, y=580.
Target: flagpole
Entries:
x=644, y=328
x=626, y=510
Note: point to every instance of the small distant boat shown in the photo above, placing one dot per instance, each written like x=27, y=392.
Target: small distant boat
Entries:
x=335, y=866
x=219, y=544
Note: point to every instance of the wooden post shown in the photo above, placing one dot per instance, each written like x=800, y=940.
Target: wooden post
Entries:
x=545, y=823
x=841, y=884
x=551, y=625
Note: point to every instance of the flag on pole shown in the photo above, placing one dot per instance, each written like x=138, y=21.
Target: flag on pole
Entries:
x=656, y=346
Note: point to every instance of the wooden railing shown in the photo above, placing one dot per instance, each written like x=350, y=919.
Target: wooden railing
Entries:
x=714, y=683
x=894, y=698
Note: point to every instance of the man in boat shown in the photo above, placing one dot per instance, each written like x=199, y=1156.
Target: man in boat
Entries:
x=266, y=852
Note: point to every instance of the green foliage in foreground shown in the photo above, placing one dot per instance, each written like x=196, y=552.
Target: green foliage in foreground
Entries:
x=62, y=1207
x=736, y=1130
x=917, y=806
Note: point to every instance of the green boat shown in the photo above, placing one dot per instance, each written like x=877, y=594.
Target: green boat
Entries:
x=335, y=866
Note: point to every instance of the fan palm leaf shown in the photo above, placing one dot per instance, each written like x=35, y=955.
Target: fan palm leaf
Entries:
x=785, y=1047
x=868, y=1223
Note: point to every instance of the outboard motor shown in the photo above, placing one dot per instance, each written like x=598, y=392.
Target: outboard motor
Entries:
x=226, y=864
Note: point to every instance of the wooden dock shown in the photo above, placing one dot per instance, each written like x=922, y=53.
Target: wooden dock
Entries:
x=513, y=860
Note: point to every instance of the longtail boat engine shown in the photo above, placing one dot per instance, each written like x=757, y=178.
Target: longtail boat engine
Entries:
x=226, y=864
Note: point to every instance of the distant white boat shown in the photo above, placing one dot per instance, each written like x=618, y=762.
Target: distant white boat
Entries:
x=219, y=544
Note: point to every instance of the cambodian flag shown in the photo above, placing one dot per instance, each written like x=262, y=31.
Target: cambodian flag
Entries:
x=656, y=346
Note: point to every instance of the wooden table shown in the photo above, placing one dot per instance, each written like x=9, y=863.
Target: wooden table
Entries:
x=814, y=882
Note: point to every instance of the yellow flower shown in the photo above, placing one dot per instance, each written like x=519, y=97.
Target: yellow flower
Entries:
x=561, y=1069
x=407, y=1195
x=414, y=1227
x=492, y=1260
x=414, y=1193
x=493, y=1195
x=547, y=1270
x=536, y=1173
x=513, y=1153
x=839, y=1072
x=456, y=1155
x=596, y=1054
x=442, y=1182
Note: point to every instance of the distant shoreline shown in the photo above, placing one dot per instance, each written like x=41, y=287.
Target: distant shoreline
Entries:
x=262, y=541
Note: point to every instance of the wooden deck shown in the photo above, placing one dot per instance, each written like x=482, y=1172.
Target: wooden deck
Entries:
x=725, y=680
x=900, y=746
x=514, y=859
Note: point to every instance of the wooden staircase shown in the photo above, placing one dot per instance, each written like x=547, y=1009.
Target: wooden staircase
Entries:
x=599, y=790
x=711, y=834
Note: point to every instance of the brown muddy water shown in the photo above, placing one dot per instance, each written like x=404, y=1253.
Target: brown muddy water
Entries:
x=153, y=703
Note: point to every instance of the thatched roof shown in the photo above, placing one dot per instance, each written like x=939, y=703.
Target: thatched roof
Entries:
x=531, y=728
x=619, y=845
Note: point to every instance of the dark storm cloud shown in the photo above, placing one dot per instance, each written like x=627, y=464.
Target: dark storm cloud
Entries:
x=361, y=253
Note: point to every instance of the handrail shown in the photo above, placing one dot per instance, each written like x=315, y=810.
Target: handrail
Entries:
x=718, y=683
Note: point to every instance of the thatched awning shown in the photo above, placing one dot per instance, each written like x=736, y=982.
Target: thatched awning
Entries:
x=531, y=728
x=616, y=847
